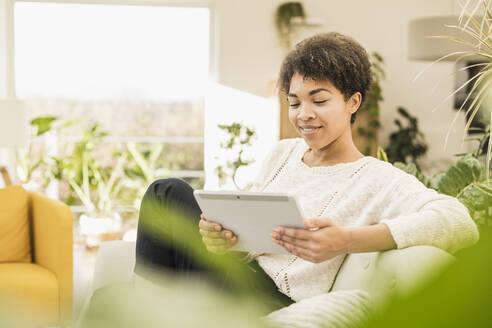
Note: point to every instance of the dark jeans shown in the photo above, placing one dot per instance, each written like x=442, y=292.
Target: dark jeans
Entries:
x=159, y=246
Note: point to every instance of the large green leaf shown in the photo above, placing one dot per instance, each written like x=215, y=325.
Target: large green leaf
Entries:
x=477, y=197
x=466, y=171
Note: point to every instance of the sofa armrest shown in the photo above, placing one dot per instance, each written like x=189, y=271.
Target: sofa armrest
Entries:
x=398, y=271
x=52, y=232
x=114, y=263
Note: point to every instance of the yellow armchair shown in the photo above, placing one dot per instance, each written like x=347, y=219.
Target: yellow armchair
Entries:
x=42, y=289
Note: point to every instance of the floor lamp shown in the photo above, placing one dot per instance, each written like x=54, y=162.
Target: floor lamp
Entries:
x=12, y=134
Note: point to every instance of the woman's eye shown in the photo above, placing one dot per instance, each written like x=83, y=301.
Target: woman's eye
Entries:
x=320, y=101
x=294, y=105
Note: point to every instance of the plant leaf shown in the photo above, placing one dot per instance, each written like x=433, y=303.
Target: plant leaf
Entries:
x=456, y=178
x=382, y=154
x=43, y=124
x=477, y=198
x=412, y=169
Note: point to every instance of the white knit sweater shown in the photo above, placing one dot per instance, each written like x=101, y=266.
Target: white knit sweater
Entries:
x=365, y=192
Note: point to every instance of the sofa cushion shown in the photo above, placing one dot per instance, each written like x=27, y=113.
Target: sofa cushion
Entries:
x=15, y=243
x=31, y=292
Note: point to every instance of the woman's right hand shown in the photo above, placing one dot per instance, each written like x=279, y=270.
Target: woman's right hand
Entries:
x=214, y=237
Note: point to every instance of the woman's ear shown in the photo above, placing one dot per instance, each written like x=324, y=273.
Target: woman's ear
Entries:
x=354, y=102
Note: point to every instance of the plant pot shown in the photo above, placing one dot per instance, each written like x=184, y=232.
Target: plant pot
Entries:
x=95, y=230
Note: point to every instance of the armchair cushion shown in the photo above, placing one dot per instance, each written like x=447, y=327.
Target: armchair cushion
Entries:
x=32, y=291
x=14, y=225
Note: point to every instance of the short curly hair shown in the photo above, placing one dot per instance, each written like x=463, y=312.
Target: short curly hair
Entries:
x=333, y=57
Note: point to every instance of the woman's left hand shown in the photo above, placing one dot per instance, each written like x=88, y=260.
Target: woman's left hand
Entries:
x=323, y=240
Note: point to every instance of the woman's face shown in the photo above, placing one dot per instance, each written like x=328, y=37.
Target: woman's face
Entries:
x=318, y=110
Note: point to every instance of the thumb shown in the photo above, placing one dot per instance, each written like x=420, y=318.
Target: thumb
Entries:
x=318, y=223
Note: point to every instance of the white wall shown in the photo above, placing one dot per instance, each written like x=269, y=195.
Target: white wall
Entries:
x=250, y=56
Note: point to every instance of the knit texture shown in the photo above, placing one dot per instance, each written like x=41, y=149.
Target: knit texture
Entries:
x=364, y=192
x=343, y=309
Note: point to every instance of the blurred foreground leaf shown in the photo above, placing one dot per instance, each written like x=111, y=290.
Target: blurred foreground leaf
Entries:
x=180, y=303
x=461, y=297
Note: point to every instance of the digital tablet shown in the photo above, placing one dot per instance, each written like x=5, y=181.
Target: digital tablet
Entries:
x=252, y=216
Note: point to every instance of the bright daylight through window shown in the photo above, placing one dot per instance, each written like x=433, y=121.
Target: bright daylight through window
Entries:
x=128, y=79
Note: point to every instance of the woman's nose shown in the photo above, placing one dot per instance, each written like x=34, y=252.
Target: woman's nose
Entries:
x=306, y=113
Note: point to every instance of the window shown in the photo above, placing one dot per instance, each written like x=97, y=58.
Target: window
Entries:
x=138, y=71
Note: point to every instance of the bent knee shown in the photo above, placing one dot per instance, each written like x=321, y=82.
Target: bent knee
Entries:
x=164, y=186
x=169, y=182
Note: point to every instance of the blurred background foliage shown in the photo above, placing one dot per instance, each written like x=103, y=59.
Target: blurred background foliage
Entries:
x=406, y=144
x=238, y=139
x=467, y=180
x=96, y=173
x=368, y=128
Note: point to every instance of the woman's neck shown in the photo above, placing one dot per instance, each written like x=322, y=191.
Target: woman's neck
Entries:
x=341, y=150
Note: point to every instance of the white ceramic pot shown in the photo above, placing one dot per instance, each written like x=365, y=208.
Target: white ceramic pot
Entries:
x=99, y=229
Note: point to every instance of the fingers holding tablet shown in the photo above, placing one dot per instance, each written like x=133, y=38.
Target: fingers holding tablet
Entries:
x=215, y=237
x=209, y=225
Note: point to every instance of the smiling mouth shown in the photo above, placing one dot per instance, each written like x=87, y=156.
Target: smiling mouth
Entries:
x=309, y=130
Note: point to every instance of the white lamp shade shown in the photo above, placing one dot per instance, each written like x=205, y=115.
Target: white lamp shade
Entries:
x=13, y=125
x=421, y=47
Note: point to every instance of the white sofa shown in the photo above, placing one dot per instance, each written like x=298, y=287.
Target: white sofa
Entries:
x=379, y=274
x=395, y=271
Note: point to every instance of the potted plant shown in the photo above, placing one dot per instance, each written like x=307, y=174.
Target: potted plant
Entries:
x=407, y=144
x=94, y=185
x=286, y=15
x=467, y=180
x=366, y=126
x=239, y=137
x=33, y=161
x=477, y=40
x=141, y=169
x=463, y=179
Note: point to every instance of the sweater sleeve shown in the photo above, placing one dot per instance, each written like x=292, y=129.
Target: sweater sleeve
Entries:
x=417, y=215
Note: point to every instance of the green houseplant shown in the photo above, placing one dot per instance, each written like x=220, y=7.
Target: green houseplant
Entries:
x=141, y=169
x=238, y=137
x=284, y=16
x=469, y=178
x=477, y=195
x=32, y=161
x=93, y=184
x=407, y=144
x=477, y=39
x=367, y=123
x=466, y=180
x=28, y=161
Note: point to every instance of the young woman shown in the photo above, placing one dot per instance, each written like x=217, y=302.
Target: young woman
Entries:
x=356, y=203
